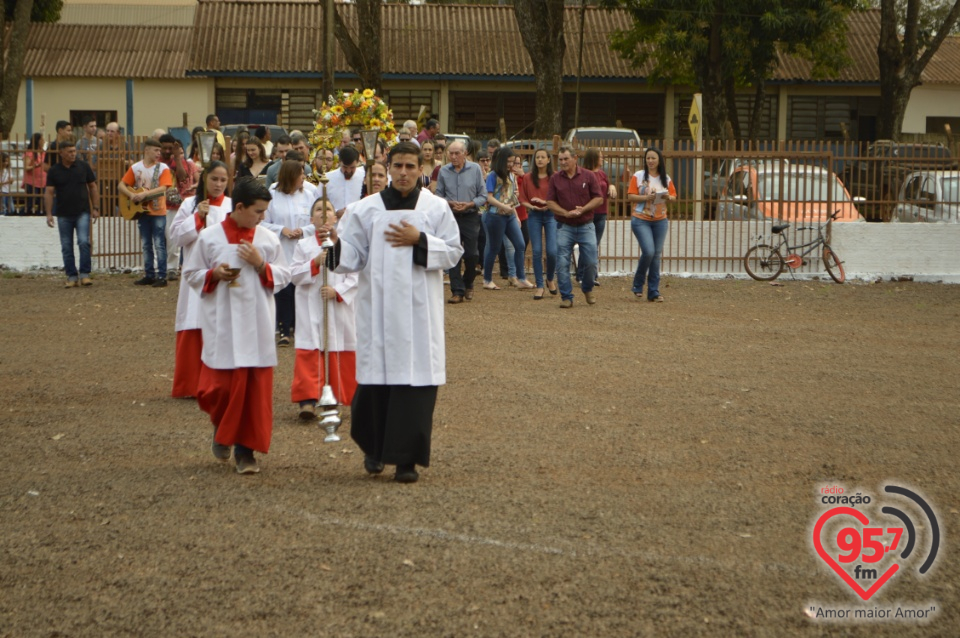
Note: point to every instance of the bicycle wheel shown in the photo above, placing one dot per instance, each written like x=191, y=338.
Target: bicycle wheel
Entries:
x=833, y=264
x=763, y=262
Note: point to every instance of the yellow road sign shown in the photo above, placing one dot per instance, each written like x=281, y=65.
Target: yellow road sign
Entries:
x=694, y=119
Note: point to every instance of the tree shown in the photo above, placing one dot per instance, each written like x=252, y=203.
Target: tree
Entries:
x=909, y=38
x=363, y=53
x=541, y=29
x=720, y=46
x=19, y=14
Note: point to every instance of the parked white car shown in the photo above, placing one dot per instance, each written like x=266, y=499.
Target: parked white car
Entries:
x=929, y=196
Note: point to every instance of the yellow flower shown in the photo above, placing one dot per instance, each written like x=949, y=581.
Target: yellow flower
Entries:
x=368, y=93
x=375, y=123
x=337, y=109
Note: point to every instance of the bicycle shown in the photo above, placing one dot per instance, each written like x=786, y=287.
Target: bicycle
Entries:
x=765, y=262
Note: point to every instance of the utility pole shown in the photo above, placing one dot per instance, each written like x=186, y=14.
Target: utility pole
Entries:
x=576, y=109
x=328, y=50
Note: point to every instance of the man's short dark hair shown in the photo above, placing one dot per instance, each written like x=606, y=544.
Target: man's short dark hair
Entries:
x=248, y=190
x=91, y=118
x=151, y=142
x=67, y=142
x=296, y=138
x=167, y=138
x=348, y=155
x=210, y=118
x=284, y=139
x=62, y=124
x=403, y=148
x=261, y=133
x=432, y=123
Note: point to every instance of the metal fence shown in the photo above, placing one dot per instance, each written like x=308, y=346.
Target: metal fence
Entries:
x=728, y=195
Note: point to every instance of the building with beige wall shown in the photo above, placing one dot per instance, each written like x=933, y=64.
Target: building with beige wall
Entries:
x=161, y=59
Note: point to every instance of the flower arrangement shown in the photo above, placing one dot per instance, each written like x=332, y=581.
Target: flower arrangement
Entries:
x=360, y=109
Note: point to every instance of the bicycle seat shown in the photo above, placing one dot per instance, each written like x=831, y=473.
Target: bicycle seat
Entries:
x=779, y=228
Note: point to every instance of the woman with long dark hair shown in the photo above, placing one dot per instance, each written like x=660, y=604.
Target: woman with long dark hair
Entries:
x=289, y=217
x=540, y=221
x=650, y=190
x=255, y=160
x=209, y=207
x=500, y=218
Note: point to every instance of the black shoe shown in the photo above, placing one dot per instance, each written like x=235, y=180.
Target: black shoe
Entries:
x=145, y=281
x=371, y=465
x=246, y=462
x=159, y=283
x=220, y=452
x=406, y=474
x=284, y=341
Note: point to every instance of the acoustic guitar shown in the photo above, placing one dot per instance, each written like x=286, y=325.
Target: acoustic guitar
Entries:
x=131, y=210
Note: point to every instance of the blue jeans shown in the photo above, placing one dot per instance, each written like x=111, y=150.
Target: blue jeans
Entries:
x=67, y=226
x=498, y=226
x=600, y=224
x=650, y=236
x=586, y=237
x=153, y=238
x=543, y=221
x=508, y=251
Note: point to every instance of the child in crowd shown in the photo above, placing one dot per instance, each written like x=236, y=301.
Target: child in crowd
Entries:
x=209, y=207
x=313, y=300
x=6, y=178
x=237, y=266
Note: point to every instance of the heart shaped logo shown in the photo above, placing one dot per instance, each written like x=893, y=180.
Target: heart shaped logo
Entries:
x=829, y=560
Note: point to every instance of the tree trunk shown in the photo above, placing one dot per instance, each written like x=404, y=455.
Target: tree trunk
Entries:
x=541, y=28
x=363, y=54
x=733, y=115
x=15, y=46
x=710, y=76
x=756, y=115
x=901, y=61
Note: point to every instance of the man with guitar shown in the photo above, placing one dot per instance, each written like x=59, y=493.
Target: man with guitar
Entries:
x=144, y=185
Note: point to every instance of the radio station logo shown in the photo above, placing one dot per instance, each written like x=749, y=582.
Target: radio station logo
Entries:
x=866, y=543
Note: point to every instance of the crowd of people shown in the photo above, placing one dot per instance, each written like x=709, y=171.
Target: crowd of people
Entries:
x=256, y=275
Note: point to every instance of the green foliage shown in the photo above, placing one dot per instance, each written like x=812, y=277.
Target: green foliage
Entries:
x=43, y=10
x=675, y=35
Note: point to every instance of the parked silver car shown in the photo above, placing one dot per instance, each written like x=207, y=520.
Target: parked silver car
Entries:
x=929, y=196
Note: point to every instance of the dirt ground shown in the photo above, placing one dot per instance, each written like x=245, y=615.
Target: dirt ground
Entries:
x=623, y=469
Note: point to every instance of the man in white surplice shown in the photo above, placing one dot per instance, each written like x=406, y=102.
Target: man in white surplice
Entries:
x=400, y=241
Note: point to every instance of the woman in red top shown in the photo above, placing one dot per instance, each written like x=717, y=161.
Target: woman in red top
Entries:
x=593, y=161
x=34, y=177
x=650, y=190
x=541, y=223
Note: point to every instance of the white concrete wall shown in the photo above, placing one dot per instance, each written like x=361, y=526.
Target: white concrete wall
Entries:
x=27, y=242
x=928, y=252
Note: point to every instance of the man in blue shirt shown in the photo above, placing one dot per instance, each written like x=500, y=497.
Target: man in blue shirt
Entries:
x=461, y=183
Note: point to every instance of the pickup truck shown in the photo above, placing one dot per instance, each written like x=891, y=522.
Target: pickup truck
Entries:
x=879, y=175
x=615, y=142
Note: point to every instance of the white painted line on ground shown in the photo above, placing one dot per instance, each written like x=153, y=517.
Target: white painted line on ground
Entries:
x=583, y=549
